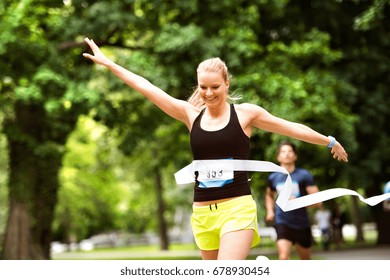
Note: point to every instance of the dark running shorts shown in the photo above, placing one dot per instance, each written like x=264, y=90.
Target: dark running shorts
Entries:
x=301, y=236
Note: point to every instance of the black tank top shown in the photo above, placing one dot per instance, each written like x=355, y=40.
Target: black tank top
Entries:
x=228, y=142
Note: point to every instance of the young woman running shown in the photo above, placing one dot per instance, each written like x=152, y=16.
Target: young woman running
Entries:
x=224, y=220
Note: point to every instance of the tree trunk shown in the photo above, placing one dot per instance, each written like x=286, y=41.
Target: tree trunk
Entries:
x=381, y=215
x=33, y=186
x=383, y=223
x=357, y=220
x=35, y=147
x=162, y=226
x=17, y=242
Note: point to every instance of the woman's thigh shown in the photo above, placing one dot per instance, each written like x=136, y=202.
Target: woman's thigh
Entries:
x=235, y=245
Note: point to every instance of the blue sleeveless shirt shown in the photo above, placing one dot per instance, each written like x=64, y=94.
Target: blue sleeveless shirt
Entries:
x=301, y=179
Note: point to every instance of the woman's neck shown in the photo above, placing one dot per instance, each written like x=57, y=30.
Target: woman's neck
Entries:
x=215, y=112
x=215, y=118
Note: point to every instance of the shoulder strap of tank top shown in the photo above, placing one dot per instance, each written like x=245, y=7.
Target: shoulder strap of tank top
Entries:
x=233, y=113
x=198, y=118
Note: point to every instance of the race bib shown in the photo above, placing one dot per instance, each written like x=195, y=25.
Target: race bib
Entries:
x=212, y=170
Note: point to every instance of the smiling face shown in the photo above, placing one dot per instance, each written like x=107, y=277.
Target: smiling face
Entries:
x=213, y=81
x=212, y=88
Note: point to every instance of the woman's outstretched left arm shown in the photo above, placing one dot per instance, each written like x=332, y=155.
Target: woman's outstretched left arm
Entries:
x=264, y=120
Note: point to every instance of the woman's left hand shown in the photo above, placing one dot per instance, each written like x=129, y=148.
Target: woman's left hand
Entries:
x=339, y=153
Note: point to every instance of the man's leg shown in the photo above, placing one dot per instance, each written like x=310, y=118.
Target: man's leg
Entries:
x=284, y=249
x=304, y=253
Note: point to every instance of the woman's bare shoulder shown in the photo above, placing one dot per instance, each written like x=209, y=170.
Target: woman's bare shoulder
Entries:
x=248, y=108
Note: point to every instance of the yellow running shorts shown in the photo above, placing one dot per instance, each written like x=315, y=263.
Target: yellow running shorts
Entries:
x=211, y=222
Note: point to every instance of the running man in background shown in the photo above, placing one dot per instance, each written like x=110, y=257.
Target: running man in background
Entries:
x=292, y=227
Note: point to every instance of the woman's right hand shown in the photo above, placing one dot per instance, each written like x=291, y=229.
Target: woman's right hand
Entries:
x=97, y=57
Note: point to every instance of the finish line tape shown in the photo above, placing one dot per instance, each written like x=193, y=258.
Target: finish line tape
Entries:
x=222, y=169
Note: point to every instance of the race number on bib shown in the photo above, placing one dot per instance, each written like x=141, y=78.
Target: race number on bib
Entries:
x=212, y=170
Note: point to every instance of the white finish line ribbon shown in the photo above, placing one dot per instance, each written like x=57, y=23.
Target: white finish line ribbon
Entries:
x=223, y=169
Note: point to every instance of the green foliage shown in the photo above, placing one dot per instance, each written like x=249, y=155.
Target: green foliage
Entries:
x=295, y=81
x=92, y=198
x=322, y=63
x=371, y=17
x=177, y=38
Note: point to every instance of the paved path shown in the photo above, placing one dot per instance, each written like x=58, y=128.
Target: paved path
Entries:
x=376, y=253
x=373, y=253
x=370, y=253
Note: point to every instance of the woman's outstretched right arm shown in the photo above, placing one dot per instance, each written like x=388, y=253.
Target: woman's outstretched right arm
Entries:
x=178, y=109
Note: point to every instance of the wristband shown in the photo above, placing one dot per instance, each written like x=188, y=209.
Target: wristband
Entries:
x=332, y=141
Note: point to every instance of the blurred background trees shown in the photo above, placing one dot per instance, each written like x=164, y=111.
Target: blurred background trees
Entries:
x=81, y=153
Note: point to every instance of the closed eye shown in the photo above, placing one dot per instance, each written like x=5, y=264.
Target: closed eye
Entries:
x=205, y=87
